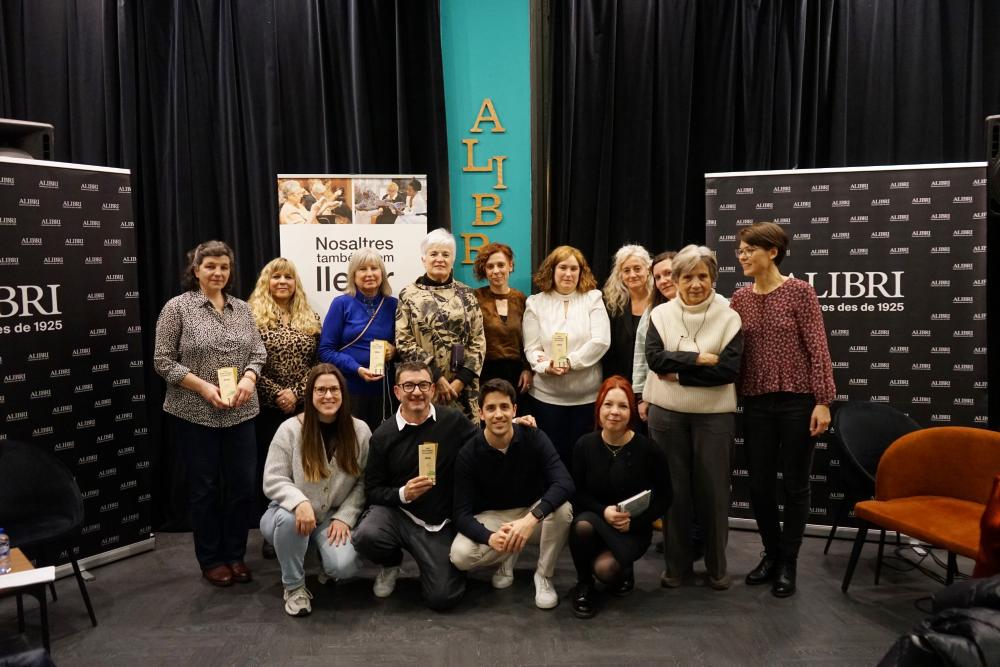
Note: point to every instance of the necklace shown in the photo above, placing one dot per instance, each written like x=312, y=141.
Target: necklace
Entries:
x=687, y=333
x=615, y=450
x=369, y=304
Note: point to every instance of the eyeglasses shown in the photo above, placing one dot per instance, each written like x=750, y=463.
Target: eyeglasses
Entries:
x=323, y=391
x=408, y=387
x=746, y=252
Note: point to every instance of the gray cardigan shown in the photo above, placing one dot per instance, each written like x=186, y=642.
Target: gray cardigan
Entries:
x=285, y=482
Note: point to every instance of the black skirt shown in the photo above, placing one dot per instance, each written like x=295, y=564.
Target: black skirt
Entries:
x=628, y=547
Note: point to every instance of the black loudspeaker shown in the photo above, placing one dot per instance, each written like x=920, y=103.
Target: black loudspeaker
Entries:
x=25, y=139
x=993, y=265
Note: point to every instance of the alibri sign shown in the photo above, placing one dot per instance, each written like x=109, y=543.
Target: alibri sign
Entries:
x=71, y=358
x=897, y=256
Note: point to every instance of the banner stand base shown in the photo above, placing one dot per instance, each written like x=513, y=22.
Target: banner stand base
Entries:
x=844, y=533
x=66, y=570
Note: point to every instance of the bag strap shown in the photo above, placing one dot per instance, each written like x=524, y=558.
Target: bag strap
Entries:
x=358, y=337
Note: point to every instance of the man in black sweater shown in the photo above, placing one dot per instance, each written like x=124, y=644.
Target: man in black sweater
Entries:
x=511, y=487
x=408, y=510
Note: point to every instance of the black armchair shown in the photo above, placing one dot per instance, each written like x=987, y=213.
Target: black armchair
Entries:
x=862, y=431
x=40, y=506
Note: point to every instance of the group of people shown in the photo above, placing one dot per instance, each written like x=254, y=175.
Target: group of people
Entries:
x=631, y=392
x=324, y=203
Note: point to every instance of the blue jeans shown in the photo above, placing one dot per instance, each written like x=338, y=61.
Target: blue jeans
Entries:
x=221, y=464
x=776, y=438
x=278, y=527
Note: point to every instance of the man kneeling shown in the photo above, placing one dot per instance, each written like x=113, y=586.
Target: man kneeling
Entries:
x=409, y=510
x=511, y=488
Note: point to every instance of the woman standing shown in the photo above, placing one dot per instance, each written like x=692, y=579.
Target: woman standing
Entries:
x=198, y=333
x=663, y=290
x=787, y=386
x=364, y=313
x=693, y=348
x=503, y=310
x=439, y=323
x=609, y=467
x=568, y=312
x=289, y=328
x=627, y=295
x=313, y=478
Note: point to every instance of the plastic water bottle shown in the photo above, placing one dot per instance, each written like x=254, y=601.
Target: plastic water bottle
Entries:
x=4, y=552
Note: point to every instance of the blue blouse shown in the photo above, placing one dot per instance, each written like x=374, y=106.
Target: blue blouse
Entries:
x=346, y=318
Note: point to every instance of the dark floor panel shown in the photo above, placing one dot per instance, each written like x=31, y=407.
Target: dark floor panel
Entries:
x=154, y=609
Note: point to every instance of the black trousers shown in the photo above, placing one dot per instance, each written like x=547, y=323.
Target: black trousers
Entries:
x=382, y=534
x=221, y=465
x=776, y=438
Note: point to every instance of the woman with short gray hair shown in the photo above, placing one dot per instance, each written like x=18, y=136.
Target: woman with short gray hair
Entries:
x=693, y=347
x=439, y=323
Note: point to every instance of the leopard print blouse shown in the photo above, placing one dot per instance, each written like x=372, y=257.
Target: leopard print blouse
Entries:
x=290, y=355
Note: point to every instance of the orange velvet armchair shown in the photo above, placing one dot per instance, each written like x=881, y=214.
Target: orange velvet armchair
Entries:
x=933, y=485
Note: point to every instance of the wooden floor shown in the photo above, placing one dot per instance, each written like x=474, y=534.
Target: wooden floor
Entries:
x=154, y=609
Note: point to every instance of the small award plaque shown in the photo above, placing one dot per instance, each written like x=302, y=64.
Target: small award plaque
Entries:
x=560, y=349
x=376, y=358
x=228, y=379
x=427, y=455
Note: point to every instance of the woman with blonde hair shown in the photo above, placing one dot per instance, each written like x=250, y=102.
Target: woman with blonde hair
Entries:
x=566, y=332
x=364, y=313
x=313, y=477
x=627, y=295
x=290, y=330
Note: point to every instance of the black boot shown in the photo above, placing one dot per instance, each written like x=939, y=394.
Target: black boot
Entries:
x=583, y=601
x=784, y=581
x=764, y=572
x=627, y=584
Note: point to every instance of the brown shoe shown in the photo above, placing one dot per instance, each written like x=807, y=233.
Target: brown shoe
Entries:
x=241, y=573
x=220, y=575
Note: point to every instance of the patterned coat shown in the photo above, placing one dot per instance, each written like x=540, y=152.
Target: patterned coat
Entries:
x=430, y=320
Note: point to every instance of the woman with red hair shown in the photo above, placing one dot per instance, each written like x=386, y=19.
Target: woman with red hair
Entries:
x=611, y=465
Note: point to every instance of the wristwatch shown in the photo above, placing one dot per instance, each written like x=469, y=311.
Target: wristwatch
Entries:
x=538, y=513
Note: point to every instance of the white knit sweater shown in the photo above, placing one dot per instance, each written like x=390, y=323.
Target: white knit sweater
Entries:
x=706, y=327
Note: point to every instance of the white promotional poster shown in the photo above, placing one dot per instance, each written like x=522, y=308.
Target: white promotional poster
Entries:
x=324, y=218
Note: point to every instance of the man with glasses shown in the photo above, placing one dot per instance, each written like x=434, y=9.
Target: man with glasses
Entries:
x=408, y=510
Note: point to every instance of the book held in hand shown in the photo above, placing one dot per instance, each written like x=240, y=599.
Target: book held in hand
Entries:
x=427, y=458
x=228, y=379
x=376, y=358
x=637, y=504
x=560, y=349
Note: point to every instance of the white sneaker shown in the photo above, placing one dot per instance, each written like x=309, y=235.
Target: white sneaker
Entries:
x=504, y=576
x=297, y=602
x=545, y=595
x=385, y=581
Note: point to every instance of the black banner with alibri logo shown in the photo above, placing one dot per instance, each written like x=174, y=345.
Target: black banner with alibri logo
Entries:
x=897, y=256
x=71, y=359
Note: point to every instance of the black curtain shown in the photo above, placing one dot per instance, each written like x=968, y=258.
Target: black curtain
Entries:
x=650, y=95
x=206, y=100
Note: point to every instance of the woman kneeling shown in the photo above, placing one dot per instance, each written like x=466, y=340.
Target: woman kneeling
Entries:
x=610, y=466
x=313, y=478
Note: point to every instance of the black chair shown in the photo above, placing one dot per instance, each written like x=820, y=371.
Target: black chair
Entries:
x=862, y=431
x=40, y=506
